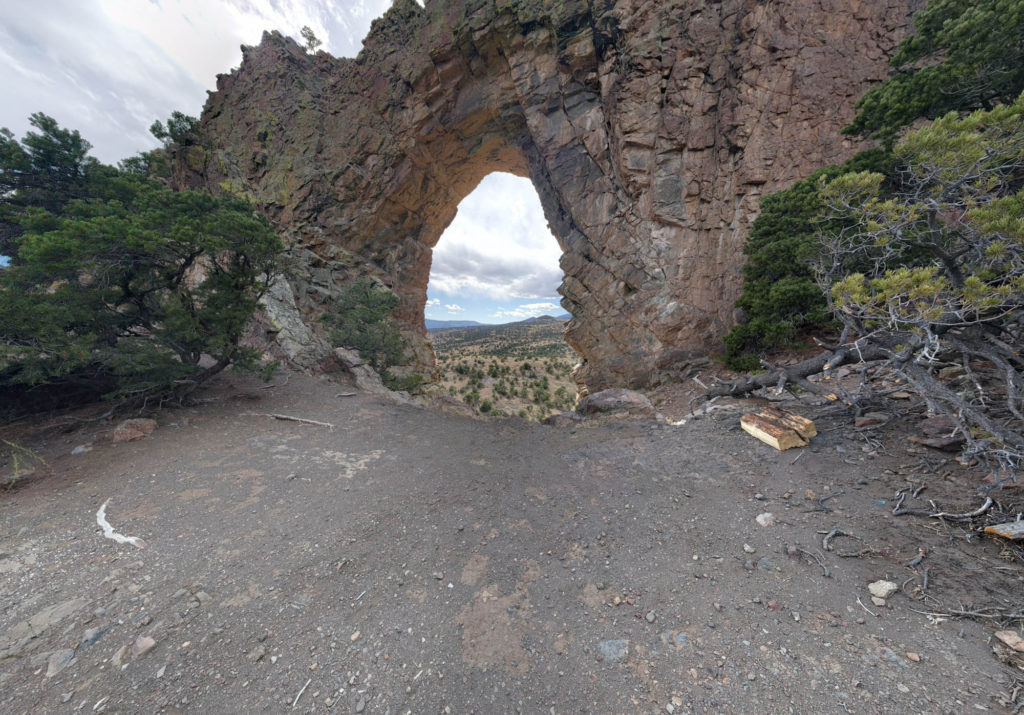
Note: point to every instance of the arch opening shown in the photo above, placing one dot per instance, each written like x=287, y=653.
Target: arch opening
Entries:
x=493, y=314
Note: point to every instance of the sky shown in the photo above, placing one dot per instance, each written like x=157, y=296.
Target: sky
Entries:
x=110, y=68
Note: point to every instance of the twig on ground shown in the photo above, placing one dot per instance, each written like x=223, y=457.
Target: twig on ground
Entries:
x=303, y=420
x=898, y=510
x=818, y=560
x=826, y=542
x=277, y=384
x=821, y=502
x=296, y=701
x=861, y=604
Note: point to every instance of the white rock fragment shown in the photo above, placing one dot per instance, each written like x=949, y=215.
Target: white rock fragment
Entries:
x=883, y=588
x=108, y=530
x=766, y=519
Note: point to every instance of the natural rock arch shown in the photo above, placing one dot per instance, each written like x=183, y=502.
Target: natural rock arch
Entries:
x=650, y=128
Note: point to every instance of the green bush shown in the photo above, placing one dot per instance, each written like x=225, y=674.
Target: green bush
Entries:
x=117, y=281
x=781, y=300
x=360, y=318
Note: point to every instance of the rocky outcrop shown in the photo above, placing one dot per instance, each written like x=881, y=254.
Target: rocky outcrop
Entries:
x=650, y=129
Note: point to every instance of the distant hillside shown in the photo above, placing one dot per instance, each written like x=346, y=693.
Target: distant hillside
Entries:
x=445, y=324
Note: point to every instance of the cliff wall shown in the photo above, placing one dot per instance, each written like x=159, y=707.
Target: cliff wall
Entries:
x=650, y=128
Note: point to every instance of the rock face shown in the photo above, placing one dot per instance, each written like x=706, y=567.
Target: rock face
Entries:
x=650, y=129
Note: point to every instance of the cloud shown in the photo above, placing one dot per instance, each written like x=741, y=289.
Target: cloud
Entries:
x=109, y=68
x=433, y=302
x=528, y=310
x=453, y=308
x=499, y=245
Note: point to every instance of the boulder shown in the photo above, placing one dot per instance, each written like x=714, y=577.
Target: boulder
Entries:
x=131, y=430
x=616, y=401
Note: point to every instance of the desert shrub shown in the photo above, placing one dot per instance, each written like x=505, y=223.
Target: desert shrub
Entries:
x=781, y=301
x=361, y=318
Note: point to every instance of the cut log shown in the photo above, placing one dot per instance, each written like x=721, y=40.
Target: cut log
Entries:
x=771, y=431
x=801, y=425
x=1013, y=530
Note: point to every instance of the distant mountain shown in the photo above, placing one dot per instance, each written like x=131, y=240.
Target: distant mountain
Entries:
x=543, y=320
x=445, y=324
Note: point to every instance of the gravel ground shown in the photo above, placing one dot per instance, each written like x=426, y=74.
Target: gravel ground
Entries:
x=404, y=560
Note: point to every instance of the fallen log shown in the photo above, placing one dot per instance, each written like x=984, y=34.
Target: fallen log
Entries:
x=778, y=429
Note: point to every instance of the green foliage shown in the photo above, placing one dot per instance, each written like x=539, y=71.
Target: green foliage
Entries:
x=120, y=281
x=360, y=318
x=941, y=268
x=948, y=247
x=312, y=42
x=963, y=55
x=181, y=129
x=781, y=301
x=45, y=170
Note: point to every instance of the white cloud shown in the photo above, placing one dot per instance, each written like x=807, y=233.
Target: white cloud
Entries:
x=453, y=308
x=109, y=68
x=528, y=310
x=499, y=245
x=433, y=302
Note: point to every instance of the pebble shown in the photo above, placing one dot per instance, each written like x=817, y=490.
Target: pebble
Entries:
x=878, y=601
x=58, y=661
x=354, y=637
x=143, y=644
x=66, y=697
x=258, y=653
x=203, y=597
x=361, y=705
x=614, y=650
x=760, y=497
x=882, y=588
x=766, y=519
x=438, y=575
x=650, y=616
x=748, y=548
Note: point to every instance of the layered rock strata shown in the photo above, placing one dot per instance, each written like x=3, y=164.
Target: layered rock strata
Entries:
x=650, y=129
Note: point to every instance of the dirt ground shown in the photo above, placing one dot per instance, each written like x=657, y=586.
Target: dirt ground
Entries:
x=408, y=561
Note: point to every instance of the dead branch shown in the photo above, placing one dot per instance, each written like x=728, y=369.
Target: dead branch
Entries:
x=303, y=420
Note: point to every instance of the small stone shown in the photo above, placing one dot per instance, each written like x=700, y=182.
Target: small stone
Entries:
x=66, y=697
x=81, y=449
x=142, y=645
x=883, y=588
x=913, y=657
x=614, y=650
x=354, y=637
x=650, y=616
x=273, y=659
x=669, y=708
x=878, y=601
x=58, y=661
x=760, y=497
x=203, y=597
x=796, y=616
x=748, y=548
x=438, y=575
x=118, y=656
x=258, y=653
x=616, y=601
x=766, y=519
x=163, y=669
x=134, y=429
x=361, y=705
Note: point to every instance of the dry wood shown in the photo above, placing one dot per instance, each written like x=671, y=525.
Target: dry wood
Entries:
x=1011, y=530
x=771, y=431
x=303, y=420
x=801, y=425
